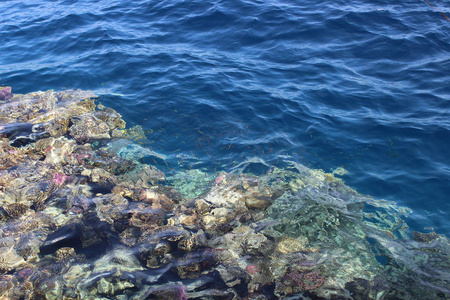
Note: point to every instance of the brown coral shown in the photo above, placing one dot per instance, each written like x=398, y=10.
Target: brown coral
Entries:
x=64, y=254
x=87, y=128
x=303, y=281
x=16, y=210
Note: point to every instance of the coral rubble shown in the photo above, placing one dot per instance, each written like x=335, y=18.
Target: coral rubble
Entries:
x=82, y=217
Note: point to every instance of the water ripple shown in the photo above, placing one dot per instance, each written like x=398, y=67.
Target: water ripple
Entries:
x=360, y=84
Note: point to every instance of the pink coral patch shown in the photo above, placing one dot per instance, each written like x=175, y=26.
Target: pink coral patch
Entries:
x=219, y=179
x=59, y=178
x=182, y=292
x=252, y=269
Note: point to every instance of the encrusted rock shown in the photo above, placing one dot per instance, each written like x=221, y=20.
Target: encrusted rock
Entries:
x=233, y=275
x=9, y=259
x=202, y=207
x=188, y=267
x=289, y=245
x=295, y=282
x=64, y=254
x=87, y=128
x=16, y=210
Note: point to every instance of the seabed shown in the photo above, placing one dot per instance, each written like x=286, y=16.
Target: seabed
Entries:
x=83, y=218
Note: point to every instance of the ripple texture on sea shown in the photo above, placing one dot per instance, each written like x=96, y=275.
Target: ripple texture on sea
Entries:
x=359, y=84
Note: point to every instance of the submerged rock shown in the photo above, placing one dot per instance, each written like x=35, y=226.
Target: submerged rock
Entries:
x=66, y=236
x=88, y=128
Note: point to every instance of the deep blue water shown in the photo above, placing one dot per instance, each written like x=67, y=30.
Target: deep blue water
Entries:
x=359, y=84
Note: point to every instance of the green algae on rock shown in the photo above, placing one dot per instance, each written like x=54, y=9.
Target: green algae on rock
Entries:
x=81, y=217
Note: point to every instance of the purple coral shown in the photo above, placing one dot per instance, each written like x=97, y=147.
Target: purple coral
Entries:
x=5, y=93
x=304, y=281
x=168, y=291
x=80, y=205
x=182, y=292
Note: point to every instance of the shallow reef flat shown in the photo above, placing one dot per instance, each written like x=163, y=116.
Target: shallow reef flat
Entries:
x=83, y=218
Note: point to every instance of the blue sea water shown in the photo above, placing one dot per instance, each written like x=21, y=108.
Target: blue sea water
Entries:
x=362, y=85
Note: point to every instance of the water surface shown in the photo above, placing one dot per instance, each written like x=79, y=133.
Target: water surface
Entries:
x=360, y=84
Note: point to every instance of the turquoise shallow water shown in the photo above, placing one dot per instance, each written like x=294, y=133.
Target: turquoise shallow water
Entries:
x=363, y=84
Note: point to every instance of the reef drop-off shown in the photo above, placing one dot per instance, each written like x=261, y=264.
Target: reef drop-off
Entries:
x=83, y=218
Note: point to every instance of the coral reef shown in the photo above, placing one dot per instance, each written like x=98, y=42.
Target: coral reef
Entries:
x=83, y=217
